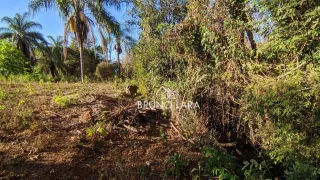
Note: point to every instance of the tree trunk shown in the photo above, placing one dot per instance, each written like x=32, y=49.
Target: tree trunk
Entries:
x=252, y=42
x=171, y=68
x=52, y=70
x=119, y=64
x=106, y=54
x=238, y=10
x=81, y=64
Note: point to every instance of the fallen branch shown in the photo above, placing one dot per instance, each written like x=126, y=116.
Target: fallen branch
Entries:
x=222, y=146
x=239, y=153
x=121, y=111
x=130, y=128
x=231, y=144
x=184, y=138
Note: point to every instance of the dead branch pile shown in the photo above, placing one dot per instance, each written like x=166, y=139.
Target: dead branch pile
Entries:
x=130, y=116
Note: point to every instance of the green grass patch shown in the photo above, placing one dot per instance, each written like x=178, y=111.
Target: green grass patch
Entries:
x=65, y=101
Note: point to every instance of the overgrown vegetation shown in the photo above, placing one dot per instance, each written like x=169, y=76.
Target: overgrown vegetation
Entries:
x=264, y=92
x=251, y=66
x=12, y=61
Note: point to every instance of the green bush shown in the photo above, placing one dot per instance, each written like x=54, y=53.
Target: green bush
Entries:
x=300, y=170
x=65, y=101
x=215, y=164
x=98, y=129
x=253, y=170
x=283, y=114
x=105, y=71
x=3, y=94
x=175, y=165
x=12, y=61
x=35, y=76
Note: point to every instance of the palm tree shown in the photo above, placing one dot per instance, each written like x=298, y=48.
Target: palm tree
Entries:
x=105, y=40
x=78, y=22
x=118, y=49
x=50, y=56
x=22, y=33
x=55, y=54
x=122, y=40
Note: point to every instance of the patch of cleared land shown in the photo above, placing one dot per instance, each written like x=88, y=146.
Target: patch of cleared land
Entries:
x=80, y=131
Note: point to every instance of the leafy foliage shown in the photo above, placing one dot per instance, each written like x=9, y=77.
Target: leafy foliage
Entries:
x=265, y=93
x=105, y=71
x=79, y=22
x=255, y=170
x=98, y=129
x=215, y=164
x=12, y=61
x=22, y=33
x=285, y=108
x=253, y=67
x=175, y=165
x=64, y=101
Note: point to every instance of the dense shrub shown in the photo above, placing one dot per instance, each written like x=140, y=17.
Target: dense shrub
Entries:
x=266, y=94
x=106, y=71
x=283, y=116
x=12, y=61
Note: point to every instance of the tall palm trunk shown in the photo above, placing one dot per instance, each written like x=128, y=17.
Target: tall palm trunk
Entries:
x=81, y=62
x=119, y=64
x=52, y=69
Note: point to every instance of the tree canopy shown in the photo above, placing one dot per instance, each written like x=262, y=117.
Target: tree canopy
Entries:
x=21, y=31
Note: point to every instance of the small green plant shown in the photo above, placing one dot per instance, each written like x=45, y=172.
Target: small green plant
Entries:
x=175, y=165
x=3, y=107
x=30, y=90
x=215, y=164
x=64, y=101
x=300, y=170
x=254, y=170
x=25, y=116
x=3, y=94
x=164, y=136
x=98, y=129
x=144, y=171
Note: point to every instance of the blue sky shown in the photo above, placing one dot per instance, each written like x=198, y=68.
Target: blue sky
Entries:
x=51, y=23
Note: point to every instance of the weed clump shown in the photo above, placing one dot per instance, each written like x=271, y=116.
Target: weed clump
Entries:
x=65, y=101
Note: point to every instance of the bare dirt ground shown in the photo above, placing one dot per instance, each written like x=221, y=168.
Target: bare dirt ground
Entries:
x=49, y=131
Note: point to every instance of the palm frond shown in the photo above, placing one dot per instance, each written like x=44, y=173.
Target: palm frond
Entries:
x=113, y=3
x=90, y=24
x=103, y=43
x=23, y=17
x=7, y=20
x=65, y=39
x=103, y=17
x=6, y=35
x=36, y=36
x=30, y=25
x=59, y=41
x=52, y=40
x=37, y=5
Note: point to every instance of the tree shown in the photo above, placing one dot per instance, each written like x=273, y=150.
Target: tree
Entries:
x=78, y=22
x=56, y=54
x=12, y=61
x=105, y=40
x=239, y=10
x=22, y=33
x=122, y=40
x=295, y=29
